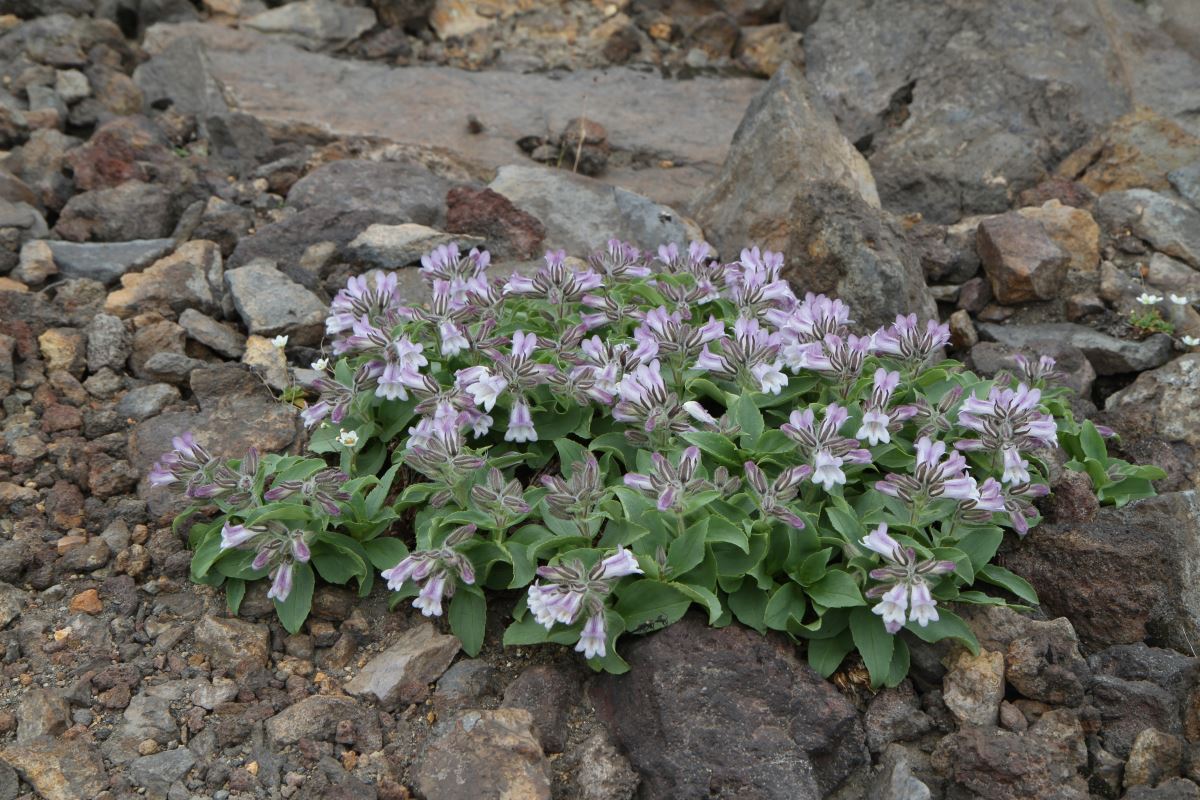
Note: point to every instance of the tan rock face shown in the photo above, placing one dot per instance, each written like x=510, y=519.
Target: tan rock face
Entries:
x=402, y=673
x=456, y=18
x=974, y=687
x=1136, y=152
x=486, y=755
x=58, y=769
x=1072, y=229
x=188, y=278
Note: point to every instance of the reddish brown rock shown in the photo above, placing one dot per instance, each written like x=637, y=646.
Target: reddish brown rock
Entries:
x=1136, y=152
x=59, y=417
x=1067, y=192
x=86, y=602
x=1044, y=761
x=1021, y=260
x=124, y=149
x=485, y=755
x=509, y=231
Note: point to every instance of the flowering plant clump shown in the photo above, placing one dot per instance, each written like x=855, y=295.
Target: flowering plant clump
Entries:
x=623, y=438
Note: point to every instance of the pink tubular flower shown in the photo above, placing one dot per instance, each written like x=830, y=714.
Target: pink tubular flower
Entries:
x=892, y=607
x=826, y=449
x=236, y=535
x=520, y=424
x=880, y=542
x=281, y=582
x=904, y=339
x=429, y=601
x=573, y=590
x=438, y=571
x=1007, y=417
x=668, y=484
x=619, y=565
x=924, y=607
x=593, y=638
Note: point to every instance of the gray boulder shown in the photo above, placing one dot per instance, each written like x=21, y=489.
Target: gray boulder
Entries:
x=959, y=106
x=787, y=138
x=393, y=188
x=270, y=303
x=581, y=214
x=1108, y=354
x=107, y=261
x=843, y=246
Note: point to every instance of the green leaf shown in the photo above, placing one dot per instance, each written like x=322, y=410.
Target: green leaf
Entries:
x=874, y=643
x=569, y=453
x=900, y=663
x=648, y=605
x=715, y=445
x=1092, y=442
x=812, y=569
x=845, y=522
x=722, y=530
x=747, y=417
x=468, y=614
x=553, y=424
x=529, y=631
x=235, y=590
x=294, y=610
x=749, y=605
x=385, y=553
x=787, y=603
x=826, y=655
x=948, y=626
x=702, y=596
x=999, y=576
x=731, y=562
x=836, y=590
x=379, y=494
x=335, y=566
x=688, y=550
x=206, y=554
x=618, y=445
x=980, y=544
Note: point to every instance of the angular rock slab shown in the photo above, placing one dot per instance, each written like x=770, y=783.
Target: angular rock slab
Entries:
x=58, y=769
x=392, y=246
x=727, y=712
x=485, y=755
x=1022, y=262
x=1162, y=404
x=107, y=261
x=581, y=214
x=786, y=138
x=842, y=246
x=962, y=105
x=1044, y=762
x=1108, y=354
x=686, y=122
x=1157, y=540
x=270, y=303
x=236, y=412
x=402, y=673
x=319, y=717
x=1171, y=226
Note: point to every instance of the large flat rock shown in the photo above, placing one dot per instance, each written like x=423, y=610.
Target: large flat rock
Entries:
x=688, y=122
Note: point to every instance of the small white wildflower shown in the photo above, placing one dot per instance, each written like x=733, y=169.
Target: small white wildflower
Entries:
x=279, y=342
x=321, y=364
x=1191, y=341
x=1149, y=299
x=1179, y=300
x=347, y=438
